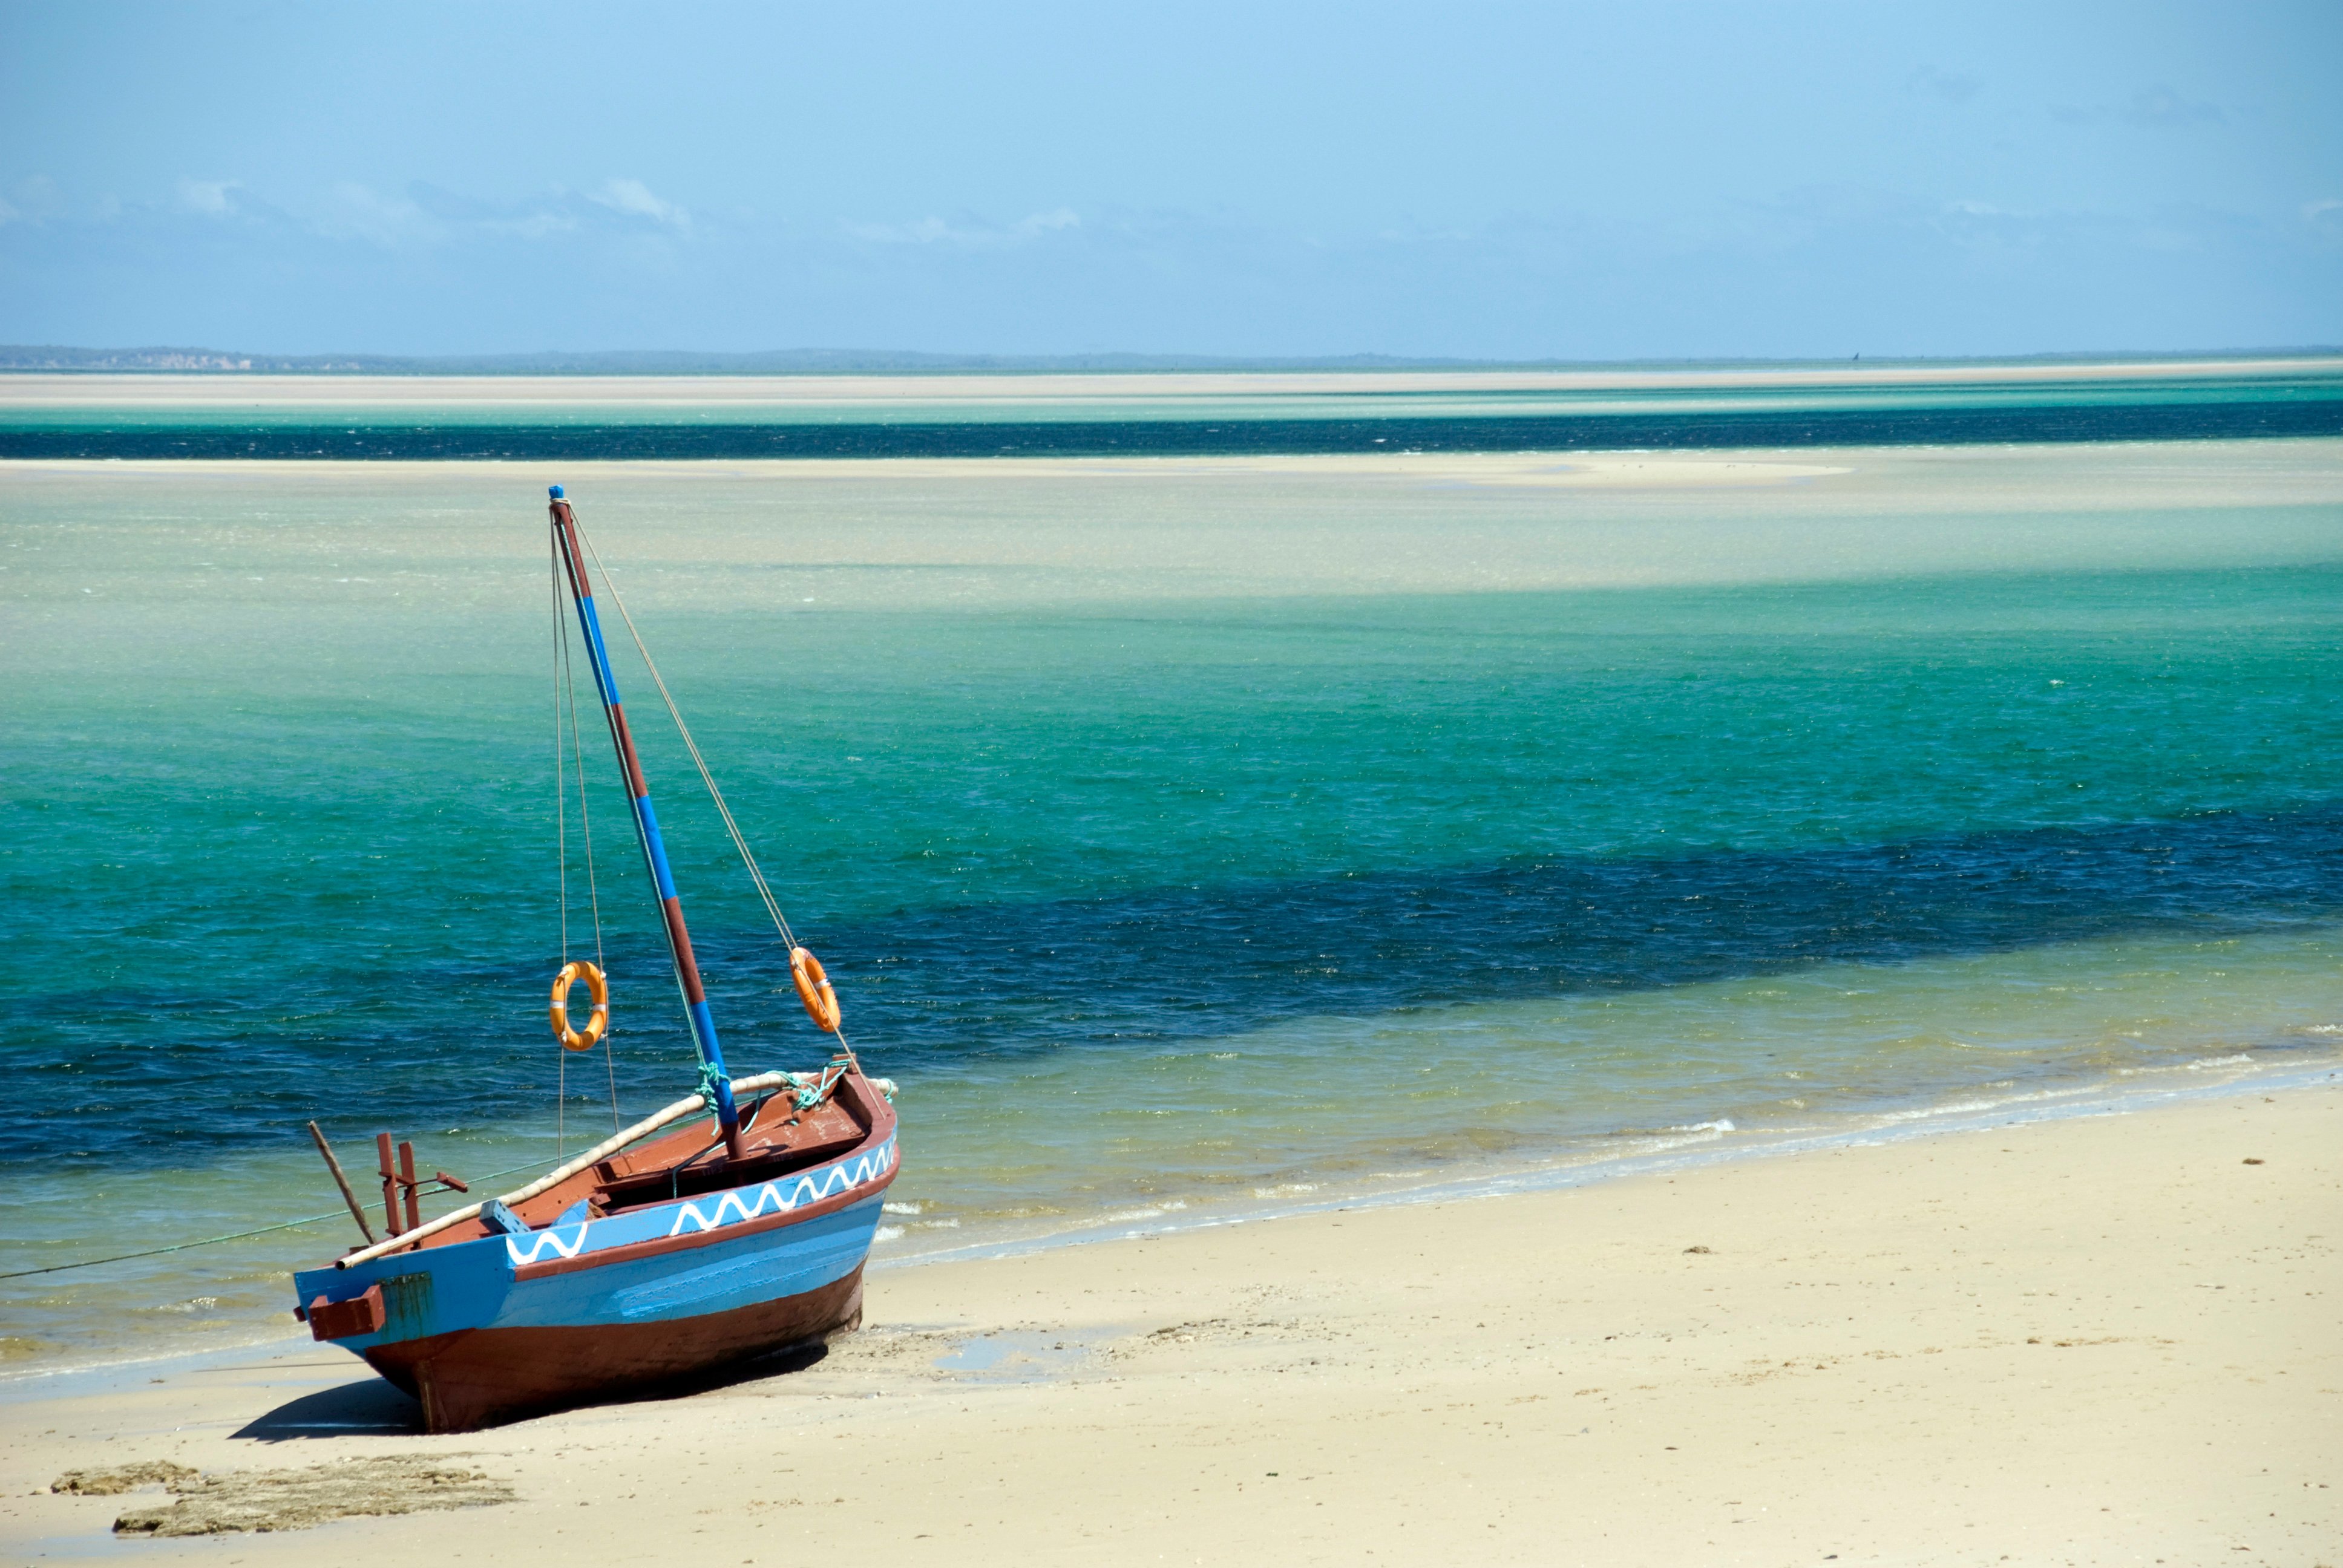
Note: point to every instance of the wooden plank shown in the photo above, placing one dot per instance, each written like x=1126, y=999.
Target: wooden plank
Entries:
x=408, y=1184
x=389, y=1183
x=361, y=1315
x=342, y=1181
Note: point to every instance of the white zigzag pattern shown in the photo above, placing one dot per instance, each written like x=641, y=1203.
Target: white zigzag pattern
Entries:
x=809, y=1190
x=538, y=1241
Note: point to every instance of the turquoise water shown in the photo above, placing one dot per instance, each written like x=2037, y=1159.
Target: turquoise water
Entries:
x=715, y=419
x=1181, y=837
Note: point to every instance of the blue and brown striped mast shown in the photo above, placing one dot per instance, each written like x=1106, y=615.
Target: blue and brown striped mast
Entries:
x=678, y=938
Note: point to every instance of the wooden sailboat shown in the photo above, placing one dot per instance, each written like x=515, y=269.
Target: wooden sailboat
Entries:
x=665, y=1250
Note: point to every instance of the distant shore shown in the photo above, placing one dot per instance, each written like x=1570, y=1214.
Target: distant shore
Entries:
x=161, y=387
x=2089, y=1340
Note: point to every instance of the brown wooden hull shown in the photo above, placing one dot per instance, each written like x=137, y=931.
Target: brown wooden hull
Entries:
x=479, y=1377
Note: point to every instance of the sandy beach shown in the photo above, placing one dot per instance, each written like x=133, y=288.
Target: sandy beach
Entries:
x=2098, y=1340
x=1556, y=788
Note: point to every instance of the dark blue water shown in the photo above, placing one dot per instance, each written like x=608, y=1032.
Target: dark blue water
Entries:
x=1145, y=897
x=2203, y=410
x=1100, y=832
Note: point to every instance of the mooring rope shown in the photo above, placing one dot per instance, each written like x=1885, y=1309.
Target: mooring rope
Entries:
x=239, y=1235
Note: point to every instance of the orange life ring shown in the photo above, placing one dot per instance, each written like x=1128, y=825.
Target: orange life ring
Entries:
x=813, y=989
x=597, y=986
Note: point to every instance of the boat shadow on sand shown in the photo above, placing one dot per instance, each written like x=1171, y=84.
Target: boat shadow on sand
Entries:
x=366, y=1406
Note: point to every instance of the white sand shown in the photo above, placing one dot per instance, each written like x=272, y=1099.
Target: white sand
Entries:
x=988, y=533
x=2109, y=1340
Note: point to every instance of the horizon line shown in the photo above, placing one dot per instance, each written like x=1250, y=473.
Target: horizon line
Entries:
x=53, y=360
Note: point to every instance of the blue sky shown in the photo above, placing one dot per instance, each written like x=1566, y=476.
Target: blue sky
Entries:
x=1577, y=182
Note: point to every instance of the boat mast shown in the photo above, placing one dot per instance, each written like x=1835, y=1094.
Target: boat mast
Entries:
x=631, y=769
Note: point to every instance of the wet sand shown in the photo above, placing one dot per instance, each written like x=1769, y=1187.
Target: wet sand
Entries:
x=2106, y=1339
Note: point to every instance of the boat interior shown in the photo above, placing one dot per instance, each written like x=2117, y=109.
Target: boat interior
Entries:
x=777, y=1138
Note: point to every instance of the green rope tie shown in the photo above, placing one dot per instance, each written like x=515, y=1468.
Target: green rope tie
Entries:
x=812, y=1094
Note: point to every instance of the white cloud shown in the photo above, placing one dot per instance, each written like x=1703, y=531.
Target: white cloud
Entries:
x=637, y=200
x=353, y=211
x=2159, y=107
x=1978, y=209
x=539, y=225
x=213, y=198
x=967, y=233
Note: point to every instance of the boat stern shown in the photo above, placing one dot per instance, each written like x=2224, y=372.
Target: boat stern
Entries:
x=404, y=1296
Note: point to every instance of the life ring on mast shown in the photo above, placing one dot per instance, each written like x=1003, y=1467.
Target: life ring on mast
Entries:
x=813, y=989
x=597, y=986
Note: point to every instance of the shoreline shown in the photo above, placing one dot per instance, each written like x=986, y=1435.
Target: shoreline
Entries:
x=2089, y=1338
x=1699, y=1148
x=1704, y=1148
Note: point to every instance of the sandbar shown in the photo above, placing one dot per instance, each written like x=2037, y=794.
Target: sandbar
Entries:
x=33, y=389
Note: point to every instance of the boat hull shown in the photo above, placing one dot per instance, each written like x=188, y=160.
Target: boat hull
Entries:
x=499, y=1326
x=479, y=1377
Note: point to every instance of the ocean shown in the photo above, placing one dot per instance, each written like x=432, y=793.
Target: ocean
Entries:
x=801, y=418
x=1189, y=836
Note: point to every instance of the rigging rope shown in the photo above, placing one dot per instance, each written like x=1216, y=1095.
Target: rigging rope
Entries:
x=807, y=1094
x=773, y=908
x=593, y=886
x=566, y=691
x=764, y=891
x=560, y=846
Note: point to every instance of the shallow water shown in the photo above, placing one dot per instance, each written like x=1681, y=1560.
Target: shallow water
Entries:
x=1182, y=837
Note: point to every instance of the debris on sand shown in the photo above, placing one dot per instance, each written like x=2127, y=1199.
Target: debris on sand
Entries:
x=269, y=1500
x=124, y=1478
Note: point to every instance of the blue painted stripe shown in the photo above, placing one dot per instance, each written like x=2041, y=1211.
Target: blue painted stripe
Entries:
x=603, y=677
x=655, y=847
x=772, y=1265
x=703, y=1024
x=472, y=1284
